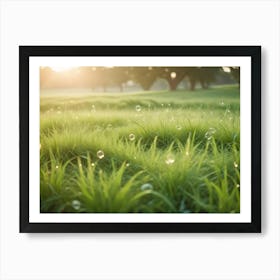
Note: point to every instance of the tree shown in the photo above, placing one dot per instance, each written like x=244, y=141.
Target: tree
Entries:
x=235, y=73
x=173, y=75
x=145, y=76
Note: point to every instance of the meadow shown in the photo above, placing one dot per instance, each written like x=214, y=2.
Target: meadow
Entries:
x=144, y=152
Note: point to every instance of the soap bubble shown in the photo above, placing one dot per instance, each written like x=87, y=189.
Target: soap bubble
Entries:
x=100, y=154
x=170, y=159
x=146, y=186
x=76, y=204
x=138, y=108
x=209, y=134
x=131, y=137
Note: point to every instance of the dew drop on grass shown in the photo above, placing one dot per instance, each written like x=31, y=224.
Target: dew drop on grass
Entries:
x=235, y=164
x=92, y=164
x=76, y=204
x=138, y=108
x=170, y=159
x=179, y=127
x=127, y=165
x=131, y=137
x=146, y=186
x=56, y=166
x=100, y=154
x=187, y=153
x=238, y=186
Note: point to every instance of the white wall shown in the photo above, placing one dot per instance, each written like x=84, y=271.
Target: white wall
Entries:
x=139, y=256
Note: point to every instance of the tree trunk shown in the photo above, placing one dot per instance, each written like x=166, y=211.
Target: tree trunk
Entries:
x=172, y=85
x=192, y=84
x=121, y=87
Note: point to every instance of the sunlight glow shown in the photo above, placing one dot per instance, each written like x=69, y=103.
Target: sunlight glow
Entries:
x=61, y=68
x=226, y=69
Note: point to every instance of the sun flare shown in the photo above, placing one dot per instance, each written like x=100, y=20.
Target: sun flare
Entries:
x=61, y=68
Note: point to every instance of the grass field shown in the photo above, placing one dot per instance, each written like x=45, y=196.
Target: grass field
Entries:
x=147, y=152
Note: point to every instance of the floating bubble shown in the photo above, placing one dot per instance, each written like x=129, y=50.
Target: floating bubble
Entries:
x=170, y=159
x=56, y=166
x=131, y=137
x=127, y=165
x=80, y=164
x=92, y=164
x=235, y=164
x=100, y=154
x=238, y=186
x=138, y=108
x=208, y=135
x=187, y=153
x=212, y=130
x=146, y=187
x=76, y=204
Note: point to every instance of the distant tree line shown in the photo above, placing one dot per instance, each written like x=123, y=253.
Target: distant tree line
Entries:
x=105, y=77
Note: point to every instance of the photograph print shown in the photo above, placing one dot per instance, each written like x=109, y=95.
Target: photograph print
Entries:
x=143, y=140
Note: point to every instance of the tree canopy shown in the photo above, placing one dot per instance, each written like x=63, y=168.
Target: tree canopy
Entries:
x=104, y=77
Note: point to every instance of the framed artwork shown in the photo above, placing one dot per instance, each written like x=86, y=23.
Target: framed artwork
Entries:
x=140, y=138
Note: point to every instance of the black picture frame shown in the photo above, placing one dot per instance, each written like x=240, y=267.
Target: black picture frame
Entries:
x=254, y=52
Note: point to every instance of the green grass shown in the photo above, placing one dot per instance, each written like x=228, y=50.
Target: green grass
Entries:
x=178, y=154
